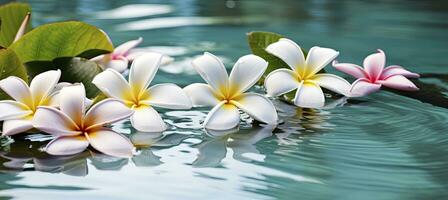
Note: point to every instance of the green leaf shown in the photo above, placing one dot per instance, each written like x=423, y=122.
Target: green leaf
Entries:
x=10, y=65
x=11, y=16
x=74, y=70
x=62, y=40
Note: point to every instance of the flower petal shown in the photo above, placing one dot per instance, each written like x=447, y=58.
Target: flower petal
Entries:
x=332, y=82
x=318, y=58
x=212, y=70
x=201, y=94
x=120, y=64
x=67, y=145
x=111, y=143
x=168, y=96
x=72, y=102
x=106, y=112
x=352, y=69
x=222, y=117
x=363, y=87
x=280, y=82
x=309, y=95
x=15, y=126
x=289, y=52
x=17, y=89
x=53, y=121
x=246, y=72
x=146, y=119
x=143, y=70
x=374, y=64
x=397, y=70
x=113, y=84
x=13, y=110
x=399, y=82
x=258, y=107
x=123, y=49
x=43, y=84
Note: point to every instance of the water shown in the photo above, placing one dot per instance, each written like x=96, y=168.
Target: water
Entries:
x=385, y=146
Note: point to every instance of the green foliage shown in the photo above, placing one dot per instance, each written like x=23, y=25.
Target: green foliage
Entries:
x=74, y=70
x=11, y=17
x=10, y=65
x=62, y=40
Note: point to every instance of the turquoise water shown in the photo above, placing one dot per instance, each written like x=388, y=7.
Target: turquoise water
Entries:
x=385, y=146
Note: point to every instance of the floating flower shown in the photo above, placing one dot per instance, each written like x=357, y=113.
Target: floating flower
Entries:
x=75, y=126
x=18, y=114
x=304, y=75
x=122, y=55
x=136, y=95
x=374, y=75
x=227, y=93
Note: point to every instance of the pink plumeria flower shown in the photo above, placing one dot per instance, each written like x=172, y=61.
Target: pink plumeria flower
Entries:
x=374, y=75
x=119, y=58
x=77, y=127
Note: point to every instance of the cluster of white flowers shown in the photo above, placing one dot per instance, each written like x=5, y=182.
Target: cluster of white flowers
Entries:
x=62, y=109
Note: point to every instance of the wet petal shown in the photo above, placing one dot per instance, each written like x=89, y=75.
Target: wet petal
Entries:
x=146, y=119
x=201, y=94
x=72, y=102
x=15, y=126
x=17, y=89
x=222, y=117
x=120, y=64
x=309, y=95
x=111, y=143
x=246, y=72
x=13, y=110
x=374, y=64
x=397, y=70
x=212, y=70
x=332, y=82
x=123, y=49
x=318, y=58
x=168, y=96
x=143, y=70
x=289, y=52
x=258, y=107
x=352, y=69
x=362, y=87
x=43, y=84
x=53, y=121
x=106, y=112
x=280, y=82
x=113, y=84
x=67, y=145
x=399, y=82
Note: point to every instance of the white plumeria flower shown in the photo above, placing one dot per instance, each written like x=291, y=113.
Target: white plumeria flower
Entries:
x=304, y=75
x=123, y=54
x=136, y=94
x=18, y=114
x=227, y=93
x=75, y=126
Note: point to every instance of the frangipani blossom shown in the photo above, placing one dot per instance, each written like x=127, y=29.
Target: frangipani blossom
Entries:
x=18, y=114
x=122, y=55
x=227, y=93
x=374, y=75
x=303, y=75
x=136, y=94
x=77, y=127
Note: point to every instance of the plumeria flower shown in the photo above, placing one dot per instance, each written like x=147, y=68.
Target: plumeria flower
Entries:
x=374, y=75
x=136, y=94
x=122, y=55
x=18, y=114
x=303, y=75
x=227, y=93
x=77, y=127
